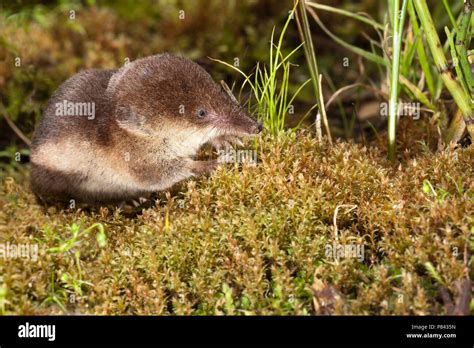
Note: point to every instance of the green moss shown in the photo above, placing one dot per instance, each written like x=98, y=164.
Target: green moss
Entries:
x=252, y=240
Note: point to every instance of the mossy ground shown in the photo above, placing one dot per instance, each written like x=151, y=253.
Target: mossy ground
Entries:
x=252, y=240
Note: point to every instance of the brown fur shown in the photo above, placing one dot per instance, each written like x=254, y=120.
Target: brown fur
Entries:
x=148, y=126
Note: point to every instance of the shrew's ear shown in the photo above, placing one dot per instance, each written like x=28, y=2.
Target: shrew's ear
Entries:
x=131, y=121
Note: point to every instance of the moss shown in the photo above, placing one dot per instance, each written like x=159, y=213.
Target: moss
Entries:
x=252, y=240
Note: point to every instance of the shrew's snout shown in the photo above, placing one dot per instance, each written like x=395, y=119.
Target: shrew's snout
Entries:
x=245, y=124
x=257, y=128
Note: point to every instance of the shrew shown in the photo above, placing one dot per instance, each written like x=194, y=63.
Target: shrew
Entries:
x=149, y=120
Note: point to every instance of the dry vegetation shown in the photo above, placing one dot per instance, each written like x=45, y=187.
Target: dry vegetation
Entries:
x=251, y=240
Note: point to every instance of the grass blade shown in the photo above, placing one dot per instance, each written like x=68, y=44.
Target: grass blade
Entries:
x=462, y=100
x=397, y=32
x=357, y=50
x=305, y=33
x=359, y=17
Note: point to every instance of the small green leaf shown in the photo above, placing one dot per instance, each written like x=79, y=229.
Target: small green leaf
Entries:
x=426, y=187
x=64, y=277
x=432, y=271
x=101, y=237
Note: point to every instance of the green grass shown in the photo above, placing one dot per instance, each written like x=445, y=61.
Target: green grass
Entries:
x=252, y=240
x=398, y=23
x=311, y=60
x=409, y=57
x=269, y=84
x=459, y=93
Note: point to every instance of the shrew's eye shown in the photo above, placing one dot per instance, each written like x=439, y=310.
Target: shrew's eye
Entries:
x=202, y=113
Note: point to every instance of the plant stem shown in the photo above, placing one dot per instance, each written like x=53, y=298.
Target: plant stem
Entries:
x=456, y=60
x=462, y=44
x=450, y=15
x=420, y=49
x=397, y=31
x=460, y=97
x=305, y=33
